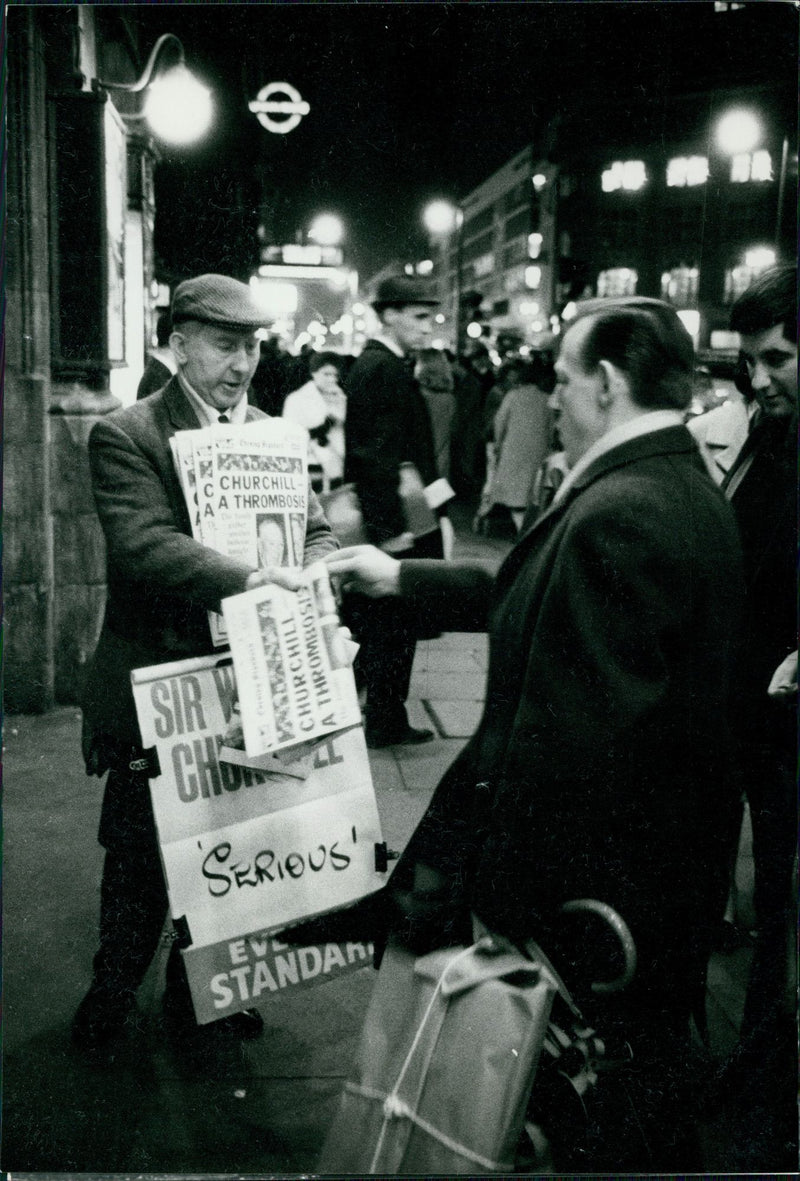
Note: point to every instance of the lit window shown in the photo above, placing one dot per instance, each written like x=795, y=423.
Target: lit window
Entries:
x=679, y=286
x=687, y=170
x=529, y=307
x=624, y=174
x=617, y=281
x=739, y=278
x=534, y=245
x=533, y=277
x=761, y=168
x=751, y=166
x=691, y=322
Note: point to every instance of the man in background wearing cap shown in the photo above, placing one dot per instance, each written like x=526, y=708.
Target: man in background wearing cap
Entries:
x=388, y=424
x=161, y=584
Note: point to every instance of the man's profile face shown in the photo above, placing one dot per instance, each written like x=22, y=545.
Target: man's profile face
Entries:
x=771, y=362
x=411, y=326
x=326, y=378
x=271, y=544
x=217, y=362
x=575, y=398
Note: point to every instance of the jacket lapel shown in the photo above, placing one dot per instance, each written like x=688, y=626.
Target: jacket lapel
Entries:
x=179, y=408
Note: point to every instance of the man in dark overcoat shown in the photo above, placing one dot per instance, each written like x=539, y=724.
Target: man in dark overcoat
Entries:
x=602, y=766
x=162, y=583
x=387, y=424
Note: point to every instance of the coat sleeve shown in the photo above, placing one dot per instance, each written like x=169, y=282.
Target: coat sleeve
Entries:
x=447, y=596
x=374, y=446
x=320, y=539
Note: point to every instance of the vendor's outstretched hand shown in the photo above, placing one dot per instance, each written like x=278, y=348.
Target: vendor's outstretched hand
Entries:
x=366, y=569
x=784, y=679
x=287, y=577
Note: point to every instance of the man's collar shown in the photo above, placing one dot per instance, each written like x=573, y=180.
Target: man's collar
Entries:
x=209, y=415
x=390, y=343
x=643, y=424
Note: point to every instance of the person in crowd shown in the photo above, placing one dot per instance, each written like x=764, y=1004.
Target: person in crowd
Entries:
x=473, y=377
x=160, y=365
x=762, y=488
x=388, y=424
x=161, y=584
x=320, y=407
x=434, y=376
x=269, y=382
x=602, y=765
x=523, y=429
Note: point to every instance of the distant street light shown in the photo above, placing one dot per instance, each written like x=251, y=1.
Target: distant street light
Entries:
x=177, y=106
x=326, y=230
x=442, y=220
x=440, y=217
x=738, y=131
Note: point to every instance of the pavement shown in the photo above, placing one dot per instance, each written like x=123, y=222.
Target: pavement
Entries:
x=148, y=1105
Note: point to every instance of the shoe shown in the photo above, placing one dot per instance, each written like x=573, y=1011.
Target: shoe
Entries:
x=101, y=1017
x=408, y=737
x=246, y=1026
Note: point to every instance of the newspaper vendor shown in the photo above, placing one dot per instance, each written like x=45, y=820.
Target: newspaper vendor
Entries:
x=161, y=585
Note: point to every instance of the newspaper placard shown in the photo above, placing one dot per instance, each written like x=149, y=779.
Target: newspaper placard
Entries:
x=246, y=488
x=248, y=850
x=241, y=973
x=293, y=671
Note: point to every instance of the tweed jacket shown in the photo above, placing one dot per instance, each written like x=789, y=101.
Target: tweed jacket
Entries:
x=161, y=581
x=387, y=423
x=601, y=767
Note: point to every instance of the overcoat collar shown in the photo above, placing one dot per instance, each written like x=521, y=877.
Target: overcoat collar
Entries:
x=672, y=440
x=181, y=412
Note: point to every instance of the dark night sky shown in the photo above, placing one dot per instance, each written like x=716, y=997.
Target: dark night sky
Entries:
x=410, y=101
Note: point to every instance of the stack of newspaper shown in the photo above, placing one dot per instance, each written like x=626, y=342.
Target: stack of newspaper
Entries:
x=293, y=665
x=246, y=488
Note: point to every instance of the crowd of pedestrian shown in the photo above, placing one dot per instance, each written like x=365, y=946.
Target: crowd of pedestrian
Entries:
x=643, y=652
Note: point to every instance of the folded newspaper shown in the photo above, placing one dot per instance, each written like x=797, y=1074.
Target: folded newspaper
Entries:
x=246, y=488
x=292, y=664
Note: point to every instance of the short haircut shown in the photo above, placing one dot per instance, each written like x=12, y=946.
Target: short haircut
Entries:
x=317, y=360
x=645, y=339
x=769, y=300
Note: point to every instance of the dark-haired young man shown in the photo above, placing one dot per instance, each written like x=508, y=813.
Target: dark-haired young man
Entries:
x=762, y=489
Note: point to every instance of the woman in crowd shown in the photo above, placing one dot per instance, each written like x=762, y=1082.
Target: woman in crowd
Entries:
x=320, y=406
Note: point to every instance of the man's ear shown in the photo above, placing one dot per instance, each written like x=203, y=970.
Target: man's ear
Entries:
x=178, y=346
x=607, y=384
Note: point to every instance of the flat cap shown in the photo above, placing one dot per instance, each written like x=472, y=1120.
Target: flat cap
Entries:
x=397, y=290
x=217, y=299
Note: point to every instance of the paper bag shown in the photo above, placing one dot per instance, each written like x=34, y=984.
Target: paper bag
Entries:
x=447, y=1058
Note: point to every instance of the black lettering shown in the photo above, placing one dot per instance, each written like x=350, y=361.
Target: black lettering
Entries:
x=311, y=863
x=339, y=860
x=187, y=787
x=192, y=704
x=262, y=869
x=242, y=875
x=176, y=706
x=165, y=724
x=220, y=854
x=295, y=865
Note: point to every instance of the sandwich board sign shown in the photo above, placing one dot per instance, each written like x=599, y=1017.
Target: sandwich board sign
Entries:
x=250, y=850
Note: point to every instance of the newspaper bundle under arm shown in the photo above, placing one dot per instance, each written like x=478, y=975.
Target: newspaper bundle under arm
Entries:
x=246, y=489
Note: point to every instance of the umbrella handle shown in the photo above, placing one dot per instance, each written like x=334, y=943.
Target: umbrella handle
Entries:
x=620, y=929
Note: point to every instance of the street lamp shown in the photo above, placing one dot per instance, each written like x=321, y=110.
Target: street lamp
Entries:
x=326, y=230
x=177, y=106
x=442, y=219
x=738, y=131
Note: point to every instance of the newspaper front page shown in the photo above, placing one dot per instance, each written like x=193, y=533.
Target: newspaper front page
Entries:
x=292, y=665
x=246, y=488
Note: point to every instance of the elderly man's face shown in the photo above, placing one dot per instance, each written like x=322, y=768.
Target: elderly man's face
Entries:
x=577, y=396
x=217, y=362
x=771, y=362
x=271, y=544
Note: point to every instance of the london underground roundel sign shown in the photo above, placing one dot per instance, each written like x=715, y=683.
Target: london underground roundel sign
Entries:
x=279, y=107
